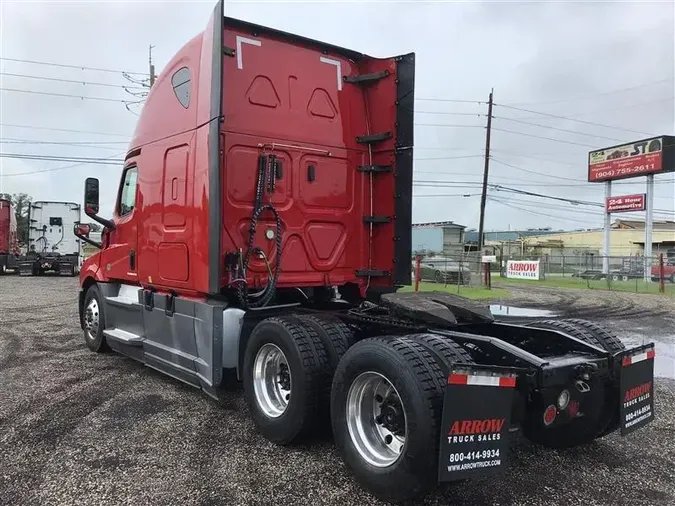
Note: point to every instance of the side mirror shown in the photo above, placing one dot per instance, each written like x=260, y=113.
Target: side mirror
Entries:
x=91, y=196
x=82, y=230
x=91, y=203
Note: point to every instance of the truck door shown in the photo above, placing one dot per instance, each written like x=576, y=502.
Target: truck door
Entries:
x=120, y=259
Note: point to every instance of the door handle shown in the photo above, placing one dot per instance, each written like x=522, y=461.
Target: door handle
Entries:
x=132, y=260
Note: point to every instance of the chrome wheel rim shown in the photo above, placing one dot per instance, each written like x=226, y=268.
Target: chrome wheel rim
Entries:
x=91, y=319
x=376, y=419
x=271, y=380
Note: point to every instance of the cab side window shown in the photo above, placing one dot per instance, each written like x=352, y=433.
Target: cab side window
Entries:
x=128, y=194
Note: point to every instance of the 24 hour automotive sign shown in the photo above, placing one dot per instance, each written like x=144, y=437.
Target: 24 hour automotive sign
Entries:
x=625, y=203
x=647, y=156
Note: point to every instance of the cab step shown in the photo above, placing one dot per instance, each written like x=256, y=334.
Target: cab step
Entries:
x=124, y=337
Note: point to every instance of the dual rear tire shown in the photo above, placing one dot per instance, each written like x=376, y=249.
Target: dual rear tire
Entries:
x=382, y=397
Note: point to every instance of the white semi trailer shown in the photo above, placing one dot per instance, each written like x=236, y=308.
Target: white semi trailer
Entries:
x=52, y=244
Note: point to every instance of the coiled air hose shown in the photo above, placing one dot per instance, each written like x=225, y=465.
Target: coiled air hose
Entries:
x=263, y=297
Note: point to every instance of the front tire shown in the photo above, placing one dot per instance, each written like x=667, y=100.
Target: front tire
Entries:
x=386, y=404
x=93, y=319
x=286, y=378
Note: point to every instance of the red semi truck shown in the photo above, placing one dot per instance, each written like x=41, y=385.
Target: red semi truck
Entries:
x=263, y=227
x=9, y=240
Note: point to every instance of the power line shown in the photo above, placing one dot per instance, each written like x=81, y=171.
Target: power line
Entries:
x=552, y=197
x=14, y=140
x=79, y=67
x=73, y=144
x=521, y=155
x=79, y=164
x=451, y=126
x=109, y=85
x=452, y=100
x=53, y=158
x=584, y=97
x=450, y=195
x=33, y=127
x=629, y=106
x=452, y=113
x=545, y=138
x=449, y=157
x=534, y=172
x=67, y=95
x=572, y=119
x=535, y=213
x=559, y=129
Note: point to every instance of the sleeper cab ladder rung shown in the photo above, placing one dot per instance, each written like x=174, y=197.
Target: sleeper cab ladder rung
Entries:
x=372, y=273
x=366, y=78
x=376, y=220
x=373, y=138
x=375, y=169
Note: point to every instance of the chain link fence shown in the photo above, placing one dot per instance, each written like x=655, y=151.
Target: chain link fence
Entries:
x=621, y=273
x=459, y=269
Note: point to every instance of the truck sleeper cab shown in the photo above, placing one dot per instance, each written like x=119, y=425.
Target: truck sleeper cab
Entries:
x=53, y=247
x=9, y=243
x=263, y=227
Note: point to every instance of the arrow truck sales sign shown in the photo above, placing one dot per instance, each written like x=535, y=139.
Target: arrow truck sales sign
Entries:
x=625, y=203
x=523, y=269
x=640, y=158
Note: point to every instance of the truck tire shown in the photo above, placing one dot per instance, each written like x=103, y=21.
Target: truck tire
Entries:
x=446, y=351
x=284, y=356
x=608, y=340
x=93, y=319
x=334, y=334
x=581, y=430
x=568, y=328
x=388, y=436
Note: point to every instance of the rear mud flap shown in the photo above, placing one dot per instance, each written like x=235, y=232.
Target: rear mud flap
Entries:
x=637, y=388
x=476, y=419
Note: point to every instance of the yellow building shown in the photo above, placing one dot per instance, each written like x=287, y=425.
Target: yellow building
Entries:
x=627, y=238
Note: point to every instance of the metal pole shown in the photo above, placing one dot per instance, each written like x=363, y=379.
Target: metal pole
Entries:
x=152, y=67
x=649, y=223
x=483, y=196
x=418, y=261
x=608, y=223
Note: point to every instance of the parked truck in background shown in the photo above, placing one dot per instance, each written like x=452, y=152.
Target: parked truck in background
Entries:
x=9, y=240
x=52, y=246
x=262, y=228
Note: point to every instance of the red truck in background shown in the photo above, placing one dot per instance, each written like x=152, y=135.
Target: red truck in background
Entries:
x=9, y=239
x=668, y=270
x=263, y=227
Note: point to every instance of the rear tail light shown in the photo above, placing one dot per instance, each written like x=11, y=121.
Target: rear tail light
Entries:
x=550, y=414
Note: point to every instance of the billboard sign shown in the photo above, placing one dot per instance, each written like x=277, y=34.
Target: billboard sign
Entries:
x=625, y=203
x=523, y=269
x=640, y=158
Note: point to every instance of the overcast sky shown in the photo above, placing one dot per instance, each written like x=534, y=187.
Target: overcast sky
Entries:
x=599, y=62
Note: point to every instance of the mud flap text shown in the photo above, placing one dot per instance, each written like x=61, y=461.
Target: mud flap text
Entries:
x=637, y=389
x=476, y=419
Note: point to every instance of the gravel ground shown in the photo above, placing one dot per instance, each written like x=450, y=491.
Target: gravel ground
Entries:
x=81, y=428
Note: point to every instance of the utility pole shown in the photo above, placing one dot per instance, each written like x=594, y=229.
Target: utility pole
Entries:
x=152, y=67
x=485, y=174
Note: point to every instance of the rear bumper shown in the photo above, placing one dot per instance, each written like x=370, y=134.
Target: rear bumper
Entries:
x=483, y=405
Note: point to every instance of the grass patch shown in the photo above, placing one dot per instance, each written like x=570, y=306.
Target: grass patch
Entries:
x=470, y=292
x=633, y=286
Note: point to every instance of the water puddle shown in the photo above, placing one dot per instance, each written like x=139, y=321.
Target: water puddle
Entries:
x=523, y=312
x=664, y=360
